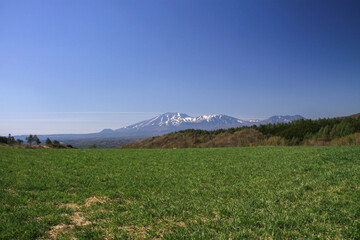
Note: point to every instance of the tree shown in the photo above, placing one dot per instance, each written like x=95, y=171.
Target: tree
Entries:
x=37, y=140
x=3, y=139
x=48, y=142
x=30, y=139
x=346, y=129
x=324, y=132
x=56, y=143
x=19, y=141
x=10, y=140
x=93, y=146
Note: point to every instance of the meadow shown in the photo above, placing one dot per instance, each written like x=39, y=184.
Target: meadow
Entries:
x=205, y=193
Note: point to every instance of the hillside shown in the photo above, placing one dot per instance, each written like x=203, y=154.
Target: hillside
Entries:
x=333, y=131
x=357, y=115
x=185, y=139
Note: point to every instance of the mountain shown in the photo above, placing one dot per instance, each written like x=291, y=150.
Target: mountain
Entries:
x=170, y=122
x=180, y=121
x=281, y=119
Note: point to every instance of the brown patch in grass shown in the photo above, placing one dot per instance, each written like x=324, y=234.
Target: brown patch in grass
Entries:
x=93, y=200
x=61, y=229
x=166, y=225
x=204, y=219
x=180, y=224
x=216, y=217
x=66, y=229
x=135, y=231
x=72, y=206
x=129, y=201
x=10, y=191
x=79, y=220
x=162, y=232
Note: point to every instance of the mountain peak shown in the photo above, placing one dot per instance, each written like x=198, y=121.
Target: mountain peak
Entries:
x=281, y=119
x=175, y=121
x=174, y=114
x=107, y=130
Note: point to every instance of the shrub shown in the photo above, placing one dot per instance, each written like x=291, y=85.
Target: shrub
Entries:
x=276, y=141
x=353, y=139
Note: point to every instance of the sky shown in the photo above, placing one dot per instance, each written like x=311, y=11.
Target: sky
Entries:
x=81, y=66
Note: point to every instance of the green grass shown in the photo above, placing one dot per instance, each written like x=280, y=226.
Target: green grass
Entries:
x=261, y=193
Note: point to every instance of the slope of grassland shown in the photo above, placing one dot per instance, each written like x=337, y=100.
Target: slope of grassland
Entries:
x=223, y=193
x=204, y=139
x=242, y=138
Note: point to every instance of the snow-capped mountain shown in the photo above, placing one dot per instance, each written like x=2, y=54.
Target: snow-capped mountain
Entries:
x=170, y=122
x=180, y=121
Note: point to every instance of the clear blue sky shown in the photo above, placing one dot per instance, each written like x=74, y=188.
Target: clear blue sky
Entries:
x=80, y=66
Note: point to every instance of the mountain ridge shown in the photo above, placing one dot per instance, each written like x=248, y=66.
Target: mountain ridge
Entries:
x=179, y=121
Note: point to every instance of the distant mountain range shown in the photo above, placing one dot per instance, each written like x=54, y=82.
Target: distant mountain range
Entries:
x=170, y=122
x=165, y=123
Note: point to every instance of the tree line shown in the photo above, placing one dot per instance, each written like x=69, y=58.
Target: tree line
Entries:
x=297, y=131
x=31, y=139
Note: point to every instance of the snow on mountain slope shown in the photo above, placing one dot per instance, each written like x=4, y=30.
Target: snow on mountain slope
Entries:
x=174, y=120
x=166, y=119
x=170, y=122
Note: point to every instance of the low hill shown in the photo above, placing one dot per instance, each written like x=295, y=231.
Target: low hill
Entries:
x=196, y=138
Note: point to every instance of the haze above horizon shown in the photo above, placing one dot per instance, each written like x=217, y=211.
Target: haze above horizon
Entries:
x=82, y=66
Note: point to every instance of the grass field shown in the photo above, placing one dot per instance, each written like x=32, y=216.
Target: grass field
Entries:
x=224, y=193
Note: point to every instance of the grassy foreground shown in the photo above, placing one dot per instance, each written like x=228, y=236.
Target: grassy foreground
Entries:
x=224, y=193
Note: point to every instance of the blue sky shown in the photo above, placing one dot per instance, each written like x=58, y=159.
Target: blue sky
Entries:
x=80, y=66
